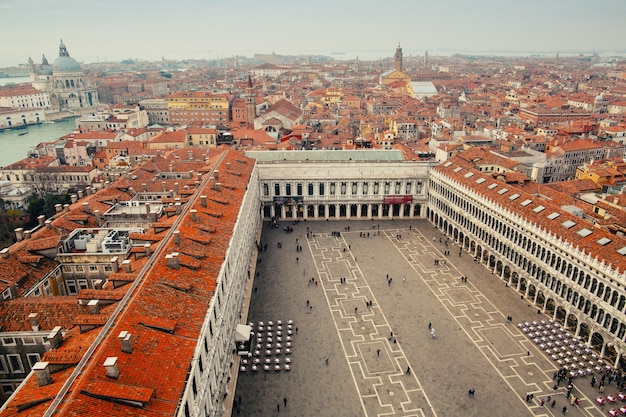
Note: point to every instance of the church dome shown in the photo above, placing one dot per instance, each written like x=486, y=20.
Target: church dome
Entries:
x=65, y=63
x=44, y=68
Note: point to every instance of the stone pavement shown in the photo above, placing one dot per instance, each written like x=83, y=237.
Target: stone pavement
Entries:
x=351, y=359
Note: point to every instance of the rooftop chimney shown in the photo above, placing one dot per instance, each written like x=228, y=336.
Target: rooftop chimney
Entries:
x=178, y=207
x=127, y=346
x=58, y=207
x=216, y=174
x=80, y=194
x=203, y=200
x=163, y=186
x=218, y=186
x=94, y=307
x=111, y=367
x=171, y=260
x=86, y=207
x=48, y=224
x=42, y=372
x=34, y=321
x=4, y=253
x=177, y=237
x=144, y=187
x=41, y=219
x=97, y=284
x=126, y=266
x=27, y=234
x=73, y=198
x=19, y=234
x=175, y=188
x=199, y=176
x=96, y=213
x=66, y=207
x=194, y=215
x=146, y=247
x=55, y=338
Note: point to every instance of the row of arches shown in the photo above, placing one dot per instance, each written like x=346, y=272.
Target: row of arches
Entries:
x=576, y=296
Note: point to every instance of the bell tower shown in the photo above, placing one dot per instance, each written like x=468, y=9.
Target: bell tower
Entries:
x=398, y=58
x=250, y=103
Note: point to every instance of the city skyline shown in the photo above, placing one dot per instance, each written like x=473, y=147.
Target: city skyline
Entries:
x=190, y=29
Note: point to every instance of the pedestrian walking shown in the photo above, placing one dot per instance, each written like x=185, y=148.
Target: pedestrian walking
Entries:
x=430, y=325
x=377, y=352
x=408, y=370
x=326, y=361
x=285, y=401
x=278, y=407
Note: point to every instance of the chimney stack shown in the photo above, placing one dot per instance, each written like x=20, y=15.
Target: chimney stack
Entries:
x=19, y=234
x=42, y=372
x=27, y=234
x=144, y=187
x=34, y=321
x=97, y=284
x=194, y=215
x=58, y=207
x=41, y=219
x=66, y=207
x=175, y=188
x=80, y=194
x=146, y=247
x=86, y=207
x=178, y=206
x=216, y=175
x=55, y=338
x=163, y=186
x=4, y=253
x=112, y=370
x=96, y=213
x=48, y=224
x=126, y=266
x=73, y=198
x=177, y=237
x=203, y=200
x=127, y=345
x=171, y=260
x=93, y=306
x=199, y=176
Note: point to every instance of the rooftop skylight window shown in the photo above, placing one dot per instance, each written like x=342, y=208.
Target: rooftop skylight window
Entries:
x=502, y=191
x=514, y=197
x=553, y=215
x=584, y=232
x=603, y=241
x=568, y=224
x=469, y=174
x=539, y=209
x=526, y=202
x=492, y=186
x=480, y=180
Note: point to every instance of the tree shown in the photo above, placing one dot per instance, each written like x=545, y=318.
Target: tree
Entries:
x=45, y=205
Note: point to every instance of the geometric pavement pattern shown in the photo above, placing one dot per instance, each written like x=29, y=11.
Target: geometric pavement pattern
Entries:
x=380, y=380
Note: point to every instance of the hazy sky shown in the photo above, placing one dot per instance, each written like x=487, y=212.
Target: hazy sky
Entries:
x=113, y=30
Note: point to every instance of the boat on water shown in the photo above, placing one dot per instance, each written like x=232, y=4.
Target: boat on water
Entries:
x=23, y=133
x=48, y=122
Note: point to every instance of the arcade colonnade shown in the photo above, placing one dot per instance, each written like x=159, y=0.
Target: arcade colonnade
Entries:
x=355, y=190
x=573, y=288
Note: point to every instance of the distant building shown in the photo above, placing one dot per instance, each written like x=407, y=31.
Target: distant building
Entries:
x=64, y=81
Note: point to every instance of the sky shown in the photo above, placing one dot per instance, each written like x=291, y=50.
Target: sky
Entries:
x=112, y=30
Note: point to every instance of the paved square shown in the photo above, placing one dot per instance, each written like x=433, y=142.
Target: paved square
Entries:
x=351, y=358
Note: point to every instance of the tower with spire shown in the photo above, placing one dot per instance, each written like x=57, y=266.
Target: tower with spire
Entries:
x=398, y=58
x=250, y=103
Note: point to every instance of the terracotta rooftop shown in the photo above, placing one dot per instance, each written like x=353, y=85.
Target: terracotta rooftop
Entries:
x=164, y=315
